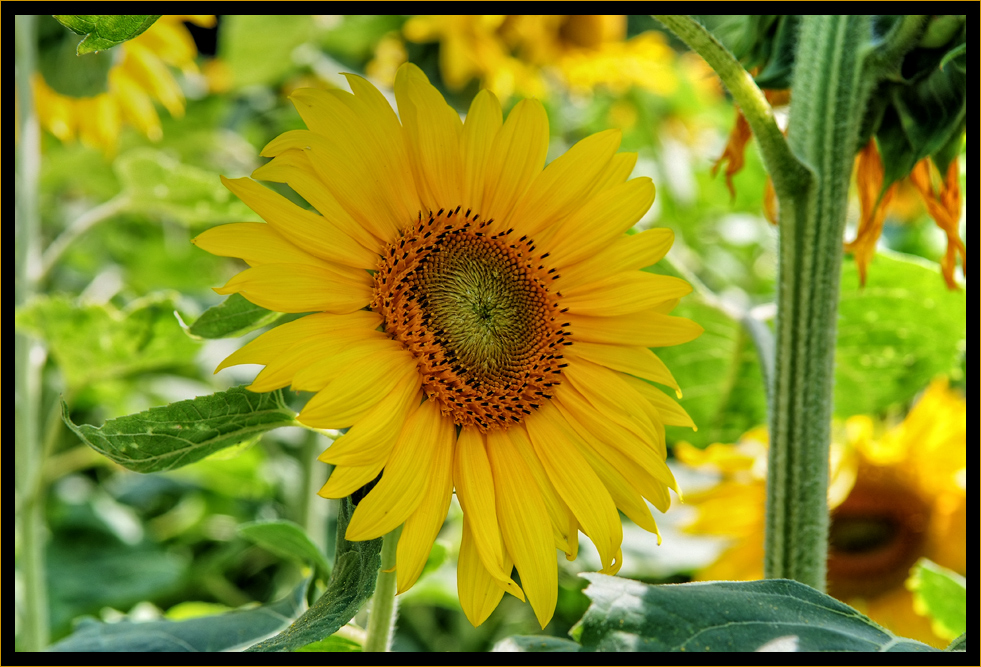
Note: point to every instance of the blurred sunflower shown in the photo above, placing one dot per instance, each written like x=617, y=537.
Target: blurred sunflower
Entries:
x=894, y=498
x=511, y=54
x=479, y=323
x=137, y=76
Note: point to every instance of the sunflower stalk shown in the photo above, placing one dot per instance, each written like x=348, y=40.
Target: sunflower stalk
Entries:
x=29, y=358
x=811, y=170
x=384, y=606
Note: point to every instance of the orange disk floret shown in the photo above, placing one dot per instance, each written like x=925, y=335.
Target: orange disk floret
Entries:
x=474, y=307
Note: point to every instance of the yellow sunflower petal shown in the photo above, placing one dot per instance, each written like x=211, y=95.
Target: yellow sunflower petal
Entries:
x=422, y=527
x=479, y=592
x=405, y=477
x=372, y=437
x=576, y=481
x=643, y=329
x=276, y=341
x=304, y=229
x=299, y=288
x=522, y=515
x=558, y=511
x=624, y=293
x=671, y=413
x=516, y=158
x=474, y=483
x=479, y=133
x=562, y=187
x=345, y=480
x=432, y=131
x=254, y=242
x=638, y=361
x=358, y=386
x=625, y=254
x=293, y=167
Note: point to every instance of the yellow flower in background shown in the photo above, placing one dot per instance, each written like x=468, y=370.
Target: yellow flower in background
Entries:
x=519, y=54
x=480, y=322
x=140, y=76
x=895, y=497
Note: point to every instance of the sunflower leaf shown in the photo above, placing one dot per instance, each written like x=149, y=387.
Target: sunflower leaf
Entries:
x=351, y=584
x=181, y=433
x=285, y=539
x=220, y=632
x=943, y=594
x=771, y=615
x=235, y=316
x=105, y=31
x=536, y=644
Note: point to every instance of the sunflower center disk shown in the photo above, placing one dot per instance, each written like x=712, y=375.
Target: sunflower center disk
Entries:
x=475, y=309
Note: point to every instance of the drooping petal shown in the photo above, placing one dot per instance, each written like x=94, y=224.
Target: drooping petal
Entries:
x=422, y=527
x=576, y=481
x=474, y=482
x=522, y=514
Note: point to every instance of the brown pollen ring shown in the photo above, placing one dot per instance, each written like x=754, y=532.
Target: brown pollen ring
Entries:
x=475, y=308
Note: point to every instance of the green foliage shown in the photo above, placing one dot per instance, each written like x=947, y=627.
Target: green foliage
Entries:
x=63, y=70
x=772, y=615
x=157, y=184
x=285, y=539
x=233, y=317
x=221, y=632
x=181, y=433
x=259, y=49
x=105, y=31
x=96, y=341
x=895, y=334
x=942, y=594
x=722, y=387
x=351, y=584
x=332, y=644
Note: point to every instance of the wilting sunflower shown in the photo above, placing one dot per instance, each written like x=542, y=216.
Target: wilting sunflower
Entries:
x=895, y=496
x=138, y=76
x=479, y=324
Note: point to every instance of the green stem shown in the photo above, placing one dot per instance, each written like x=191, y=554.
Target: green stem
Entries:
x=384, y=607
x=788, y=174
x=830, y=92
x=29, y=355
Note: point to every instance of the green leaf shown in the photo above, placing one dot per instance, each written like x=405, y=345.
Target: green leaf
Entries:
x=351, y=584
x=181, y=433
x=159, y=185
x=332, y=644
x=62, y=69
x=533, y=644
x=221, y=632
x=285, y=539
x=942, y=595
x=233, y=317
x=720, y=378
x=775, y=614
x=96, y=341
x=106, y=31
x=895, y=334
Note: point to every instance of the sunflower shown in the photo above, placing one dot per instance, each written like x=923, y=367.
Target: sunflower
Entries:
x=520, y=53
x=139, y=76
x=479, y=324
x=895, y=497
